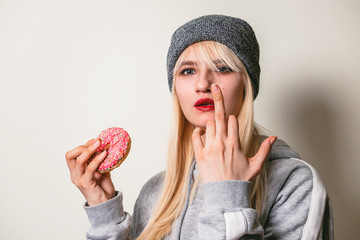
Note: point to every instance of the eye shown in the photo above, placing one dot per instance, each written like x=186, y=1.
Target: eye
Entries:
x=224, y=69
x=187, y=71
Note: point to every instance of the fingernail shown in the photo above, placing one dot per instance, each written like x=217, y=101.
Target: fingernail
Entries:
x=272, y=140
x=97, y=143
x=214, y=88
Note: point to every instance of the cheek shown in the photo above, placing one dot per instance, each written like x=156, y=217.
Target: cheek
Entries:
x=233, y=100
x=181, y=95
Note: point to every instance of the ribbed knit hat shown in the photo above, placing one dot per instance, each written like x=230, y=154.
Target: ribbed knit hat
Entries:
x=233, y=32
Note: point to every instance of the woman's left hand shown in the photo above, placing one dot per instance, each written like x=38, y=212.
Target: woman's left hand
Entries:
x=218, y=154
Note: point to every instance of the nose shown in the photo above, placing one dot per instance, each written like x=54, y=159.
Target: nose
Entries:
x=204, y=81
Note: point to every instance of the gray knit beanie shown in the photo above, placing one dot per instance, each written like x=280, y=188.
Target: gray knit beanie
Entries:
x=233, y=32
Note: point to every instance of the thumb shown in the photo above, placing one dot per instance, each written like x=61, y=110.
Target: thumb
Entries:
x=263, y=151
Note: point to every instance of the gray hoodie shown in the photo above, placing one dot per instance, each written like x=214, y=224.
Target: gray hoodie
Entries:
x=296, y=207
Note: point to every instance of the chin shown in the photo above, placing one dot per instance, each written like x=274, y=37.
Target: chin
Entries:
x=202, y=122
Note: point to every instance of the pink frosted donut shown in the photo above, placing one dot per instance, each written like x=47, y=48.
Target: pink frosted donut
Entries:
x=117, y=142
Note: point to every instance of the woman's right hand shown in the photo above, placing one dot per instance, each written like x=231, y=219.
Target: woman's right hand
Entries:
x=95, y=186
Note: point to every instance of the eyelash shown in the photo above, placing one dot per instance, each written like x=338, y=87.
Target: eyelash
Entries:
x=224, y=69
x=183, y=72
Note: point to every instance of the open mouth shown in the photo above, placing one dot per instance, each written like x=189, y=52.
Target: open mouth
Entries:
x=204, y=104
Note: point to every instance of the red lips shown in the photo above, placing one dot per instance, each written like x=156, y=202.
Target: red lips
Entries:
x=204, y=104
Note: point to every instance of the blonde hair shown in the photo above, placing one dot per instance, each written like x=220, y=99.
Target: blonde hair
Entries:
x=181, y=153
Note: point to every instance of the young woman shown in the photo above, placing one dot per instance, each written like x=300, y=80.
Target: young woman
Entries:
x=223, y=179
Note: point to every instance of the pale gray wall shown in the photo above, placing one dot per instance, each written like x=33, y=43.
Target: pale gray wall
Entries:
x=69, y=69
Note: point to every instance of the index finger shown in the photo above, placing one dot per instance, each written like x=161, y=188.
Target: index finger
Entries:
x=220, y=114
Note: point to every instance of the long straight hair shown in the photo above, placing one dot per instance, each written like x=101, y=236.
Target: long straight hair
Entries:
x=181, y=152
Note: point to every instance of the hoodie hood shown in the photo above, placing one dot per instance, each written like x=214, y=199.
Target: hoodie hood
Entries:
x=280, y=150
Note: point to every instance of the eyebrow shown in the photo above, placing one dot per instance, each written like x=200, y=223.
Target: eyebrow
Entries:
x=192, y=63
x=218, y=61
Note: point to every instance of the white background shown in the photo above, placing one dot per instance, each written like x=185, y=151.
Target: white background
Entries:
x=70, y=68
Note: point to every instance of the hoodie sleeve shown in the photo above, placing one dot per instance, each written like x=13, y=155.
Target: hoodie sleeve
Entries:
x=226, y=212
x=108, y=220
x=297, y=208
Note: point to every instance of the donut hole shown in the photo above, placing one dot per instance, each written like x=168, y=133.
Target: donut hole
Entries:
x=107, y=147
